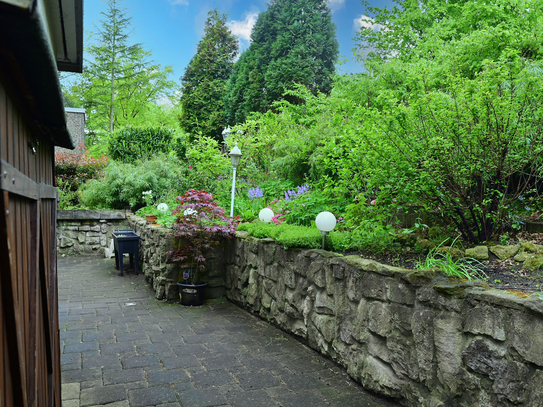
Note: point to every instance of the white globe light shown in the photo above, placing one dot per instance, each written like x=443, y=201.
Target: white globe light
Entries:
x=326, y=221
x=265, y=215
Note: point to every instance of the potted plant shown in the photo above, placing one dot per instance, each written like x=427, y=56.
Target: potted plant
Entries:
x=200, y=224
x=149, y=211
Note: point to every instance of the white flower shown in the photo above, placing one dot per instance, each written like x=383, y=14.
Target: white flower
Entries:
x=190, y=212
x=162, y=207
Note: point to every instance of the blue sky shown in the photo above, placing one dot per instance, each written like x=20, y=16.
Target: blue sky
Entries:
x=171, y=29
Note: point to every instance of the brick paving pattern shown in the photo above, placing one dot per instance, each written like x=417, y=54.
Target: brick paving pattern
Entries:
x=123, y=348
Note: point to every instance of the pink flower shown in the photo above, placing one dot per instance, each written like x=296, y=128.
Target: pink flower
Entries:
x=373, y=202
x=287, y=211
x=303, y=205
x=190, y=166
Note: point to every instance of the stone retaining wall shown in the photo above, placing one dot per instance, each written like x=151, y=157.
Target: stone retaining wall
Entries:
x=87, y=232
x=413, y=336
x=155, y=242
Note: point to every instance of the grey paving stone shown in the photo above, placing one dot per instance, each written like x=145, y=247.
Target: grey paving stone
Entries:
x=212, y=379
x=87, y=384
x=79, y=375
x=80, y=347
x=202, y=398
x=305, y=399
x=180, y=362
x=117, y=348
x=102, y=395
x=151, y=396
x=94, y=336
x=251, y=399
x=70, y=358
x=167, y=377
x=153, y=348
x=109, y=361
x=139, y=361
x=257, y=380
x=123, y=376
x=220, y=362
x=298, y=382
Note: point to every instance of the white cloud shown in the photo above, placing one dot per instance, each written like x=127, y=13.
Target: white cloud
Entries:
x=179, y=2
x=243, y=28
x=366, y=22
x=336, y=4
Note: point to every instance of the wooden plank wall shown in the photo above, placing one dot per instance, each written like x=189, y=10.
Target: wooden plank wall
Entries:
x=29, y=327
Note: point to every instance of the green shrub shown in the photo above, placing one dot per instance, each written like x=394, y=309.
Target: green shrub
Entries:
x=73, y=169
x=132, y=143
x=123, y=184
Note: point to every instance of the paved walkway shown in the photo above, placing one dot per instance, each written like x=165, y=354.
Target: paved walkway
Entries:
x=121, y=348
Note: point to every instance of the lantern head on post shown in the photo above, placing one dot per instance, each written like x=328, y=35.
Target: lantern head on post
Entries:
x=235, y=156
x=326, y=222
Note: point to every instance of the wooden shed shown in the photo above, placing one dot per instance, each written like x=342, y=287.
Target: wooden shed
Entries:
x=37, y=38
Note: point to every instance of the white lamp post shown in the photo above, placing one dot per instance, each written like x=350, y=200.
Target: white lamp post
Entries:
x=235, y=156
x=326, y=222
x=265, y=215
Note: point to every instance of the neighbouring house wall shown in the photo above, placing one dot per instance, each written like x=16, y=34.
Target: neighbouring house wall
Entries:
x=87, y=232
x=414, y=336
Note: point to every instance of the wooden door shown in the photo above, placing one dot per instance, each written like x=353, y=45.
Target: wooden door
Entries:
x=29, y=328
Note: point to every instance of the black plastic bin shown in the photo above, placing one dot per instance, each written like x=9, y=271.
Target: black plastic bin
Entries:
x=126, y=241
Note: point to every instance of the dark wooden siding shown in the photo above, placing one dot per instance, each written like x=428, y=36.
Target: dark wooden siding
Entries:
x=29, y=330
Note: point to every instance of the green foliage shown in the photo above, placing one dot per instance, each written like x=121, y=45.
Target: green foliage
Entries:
x=73, y=169
x=287, y=235
x=293, y=42
x=67, y=199
x=465, y=268
x=205, y=78
x=123, y=184
x=132, y=143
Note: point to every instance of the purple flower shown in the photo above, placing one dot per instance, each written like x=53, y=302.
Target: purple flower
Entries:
x=220, y=178
x=255, y=193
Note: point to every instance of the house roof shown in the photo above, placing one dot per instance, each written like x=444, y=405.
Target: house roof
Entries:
x=38, y=38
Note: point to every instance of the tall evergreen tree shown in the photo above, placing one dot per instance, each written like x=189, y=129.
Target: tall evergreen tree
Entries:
x=118, y=81
x=205, y=79
x=293, y=42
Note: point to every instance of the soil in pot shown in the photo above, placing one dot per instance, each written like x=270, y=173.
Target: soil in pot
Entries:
x=192, y=294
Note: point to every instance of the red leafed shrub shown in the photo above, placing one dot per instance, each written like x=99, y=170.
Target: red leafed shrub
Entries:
x=200, y=224
x=74, y=168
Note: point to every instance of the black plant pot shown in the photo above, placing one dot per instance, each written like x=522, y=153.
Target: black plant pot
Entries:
x=192, y=294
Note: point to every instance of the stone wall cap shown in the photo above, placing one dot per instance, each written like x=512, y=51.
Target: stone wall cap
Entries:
x=498, y=297
x=65, y=215
x=112, y=215
x=372, y=265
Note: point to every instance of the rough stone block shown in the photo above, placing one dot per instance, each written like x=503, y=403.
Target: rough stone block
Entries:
x=373, y=286
x=399, y=291
x=509, y=377
x=485, y=320
x=526, y=336
x=423, y=335
x=323, y=303
x=379, y=318
x=377, y=347
x=448, y=346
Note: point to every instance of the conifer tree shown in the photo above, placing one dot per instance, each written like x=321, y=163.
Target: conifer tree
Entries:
x=293, y=42
x=205, y=79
